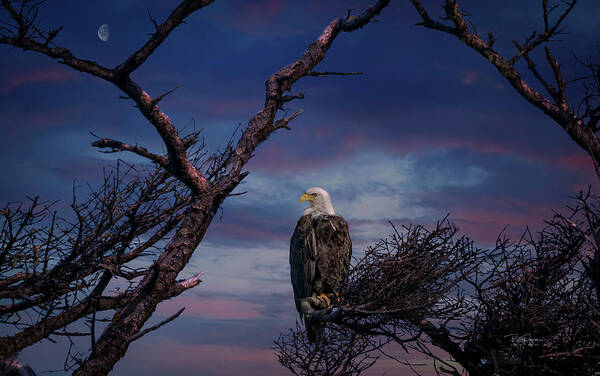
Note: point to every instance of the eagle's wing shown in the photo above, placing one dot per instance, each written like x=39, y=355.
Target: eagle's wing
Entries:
x=335, y=251
x=303, y=258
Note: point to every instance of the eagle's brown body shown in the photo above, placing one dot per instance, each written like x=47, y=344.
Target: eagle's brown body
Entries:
x=320, y=252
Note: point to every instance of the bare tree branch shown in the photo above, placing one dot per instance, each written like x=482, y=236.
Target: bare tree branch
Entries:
x=104, y=239
x=25, y=35
x=529, y=306
x=557, y=108
x=154, y=327
x=117, y=146
x=163, y=30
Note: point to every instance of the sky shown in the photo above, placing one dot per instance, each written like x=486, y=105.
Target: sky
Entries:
x=429, y=129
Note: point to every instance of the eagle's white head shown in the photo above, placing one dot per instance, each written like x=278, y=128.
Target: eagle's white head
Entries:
x=320, y=202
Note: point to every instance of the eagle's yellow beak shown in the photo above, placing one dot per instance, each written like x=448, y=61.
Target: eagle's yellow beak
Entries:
x=306, y=197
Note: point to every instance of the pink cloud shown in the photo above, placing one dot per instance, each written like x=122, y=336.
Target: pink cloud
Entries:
x=484, y=221
x=317, y=147
x=81, y=169
x=55, y=74
x=217, y=107
x=486, y=224
x=352, y=140
x=579, y=161
x=584, y=173
x=276, y=157
x=170, y=357
x=211, y=308
x=426, y=144
x=245, y=230
x=322, y=133
x=469, y=77
x=257, y=17
x=31, y=121
x=222, y=107
x=477, y=145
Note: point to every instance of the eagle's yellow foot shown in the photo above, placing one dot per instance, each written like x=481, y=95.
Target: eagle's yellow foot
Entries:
x=326, y=299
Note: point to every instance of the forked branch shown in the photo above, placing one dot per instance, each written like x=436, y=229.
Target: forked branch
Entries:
x=581, y=129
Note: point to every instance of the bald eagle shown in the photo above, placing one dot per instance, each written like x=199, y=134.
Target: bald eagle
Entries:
x=320, y=252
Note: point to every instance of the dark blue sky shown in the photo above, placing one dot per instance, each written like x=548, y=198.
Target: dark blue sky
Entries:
x=429, y=129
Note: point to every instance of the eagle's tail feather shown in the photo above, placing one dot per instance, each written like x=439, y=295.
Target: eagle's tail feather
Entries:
x=314, y=329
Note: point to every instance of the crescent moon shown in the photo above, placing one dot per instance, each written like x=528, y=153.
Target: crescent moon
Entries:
x=104, y=33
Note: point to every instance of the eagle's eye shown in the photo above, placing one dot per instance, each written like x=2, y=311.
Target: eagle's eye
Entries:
x=314, y=195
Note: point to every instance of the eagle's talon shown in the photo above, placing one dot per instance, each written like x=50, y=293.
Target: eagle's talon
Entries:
x=313, y=305
x=325, y=300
